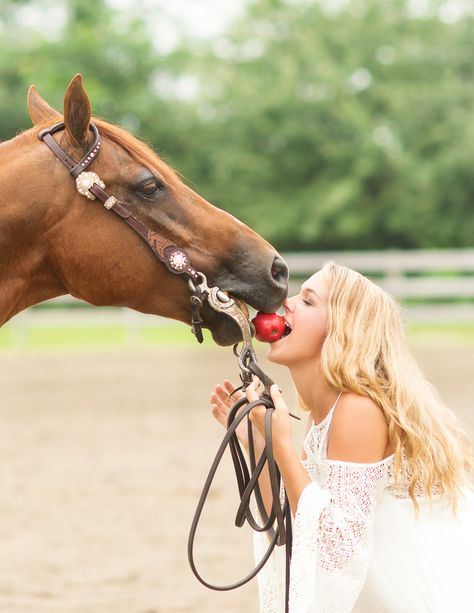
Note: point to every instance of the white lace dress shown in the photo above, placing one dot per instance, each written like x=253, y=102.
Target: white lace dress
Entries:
x=357, y=545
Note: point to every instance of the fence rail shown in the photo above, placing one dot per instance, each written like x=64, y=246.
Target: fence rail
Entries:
x=445, y=277
x=435, y=285
x=389, y=261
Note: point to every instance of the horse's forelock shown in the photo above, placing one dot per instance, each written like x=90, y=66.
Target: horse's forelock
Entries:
x=141, y=153
x=137, y=148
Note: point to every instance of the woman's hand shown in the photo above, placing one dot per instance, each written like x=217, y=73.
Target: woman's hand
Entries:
x=281, y=426
x=221, y=405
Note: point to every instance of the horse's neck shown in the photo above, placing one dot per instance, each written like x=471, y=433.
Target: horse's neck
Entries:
x=24, y=283
x=26, y=277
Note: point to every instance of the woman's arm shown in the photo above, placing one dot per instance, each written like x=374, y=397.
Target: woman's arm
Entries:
x=332, y=530
x=293, y=473
x=358, y=433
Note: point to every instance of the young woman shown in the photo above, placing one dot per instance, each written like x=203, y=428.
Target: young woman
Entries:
x=381, y=497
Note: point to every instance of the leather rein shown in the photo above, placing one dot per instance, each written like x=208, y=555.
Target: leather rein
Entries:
x=276, y=523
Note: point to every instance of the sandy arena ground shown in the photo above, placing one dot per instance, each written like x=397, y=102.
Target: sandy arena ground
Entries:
x=103, y=457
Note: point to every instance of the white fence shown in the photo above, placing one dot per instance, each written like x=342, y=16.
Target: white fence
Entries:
x=433, y=285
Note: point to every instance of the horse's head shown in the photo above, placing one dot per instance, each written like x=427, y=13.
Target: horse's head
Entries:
x=99, y=259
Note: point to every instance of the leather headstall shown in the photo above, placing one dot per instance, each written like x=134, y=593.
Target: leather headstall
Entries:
x=90, y=185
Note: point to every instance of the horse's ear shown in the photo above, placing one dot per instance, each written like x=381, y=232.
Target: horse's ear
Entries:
x=38, y=109
x=77, y=111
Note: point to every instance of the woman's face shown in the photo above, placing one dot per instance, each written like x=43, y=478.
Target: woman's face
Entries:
x=307, y=315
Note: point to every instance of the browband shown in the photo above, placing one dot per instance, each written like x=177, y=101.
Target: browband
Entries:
x=74, y=168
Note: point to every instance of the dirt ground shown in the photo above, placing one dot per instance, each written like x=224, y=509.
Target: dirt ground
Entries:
x=103, y=457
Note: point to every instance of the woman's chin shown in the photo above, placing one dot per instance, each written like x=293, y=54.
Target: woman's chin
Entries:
x=275, y=353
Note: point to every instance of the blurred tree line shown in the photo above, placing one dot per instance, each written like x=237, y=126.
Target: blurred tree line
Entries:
x=322, y=124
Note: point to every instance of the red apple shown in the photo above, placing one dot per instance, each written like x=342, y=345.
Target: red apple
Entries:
x=269, y=327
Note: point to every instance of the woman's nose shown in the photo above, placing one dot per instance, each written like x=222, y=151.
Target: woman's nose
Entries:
x=288, y=305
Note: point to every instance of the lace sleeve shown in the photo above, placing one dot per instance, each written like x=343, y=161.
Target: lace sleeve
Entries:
x=332, y=544
x=271, y=579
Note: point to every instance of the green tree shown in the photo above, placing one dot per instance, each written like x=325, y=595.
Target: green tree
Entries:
x=112, y=49
x=348, y=129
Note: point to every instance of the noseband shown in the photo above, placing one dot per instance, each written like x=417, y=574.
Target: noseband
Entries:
x=90, y=185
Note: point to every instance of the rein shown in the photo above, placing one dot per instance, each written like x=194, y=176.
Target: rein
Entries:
x=278, y=522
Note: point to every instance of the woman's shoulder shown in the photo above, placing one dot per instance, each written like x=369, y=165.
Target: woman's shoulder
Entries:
x=358, y=431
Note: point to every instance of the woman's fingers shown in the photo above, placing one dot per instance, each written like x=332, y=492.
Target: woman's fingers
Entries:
x=251, y=390
x=222, y=396
x=230, y=389
x=219, y=415
x=215, y=401
x=277, y=398
x=220, y=401
x=225, y=395
x=223, y=399
x=256, y=415
x=219, y=408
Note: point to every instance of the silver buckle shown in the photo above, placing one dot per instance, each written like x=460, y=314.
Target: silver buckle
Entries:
x=85, y=181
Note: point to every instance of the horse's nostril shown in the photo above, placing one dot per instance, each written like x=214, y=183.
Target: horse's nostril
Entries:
x=279, y=271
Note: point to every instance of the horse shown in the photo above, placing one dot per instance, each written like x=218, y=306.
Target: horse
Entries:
x=53, y=241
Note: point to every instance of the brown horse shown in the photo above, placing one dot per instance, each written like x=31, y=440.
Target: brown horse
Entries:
x=53, y=241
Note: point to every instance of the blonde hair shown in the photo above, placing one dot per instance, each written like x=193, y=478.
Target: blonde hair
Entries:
x=366, y=352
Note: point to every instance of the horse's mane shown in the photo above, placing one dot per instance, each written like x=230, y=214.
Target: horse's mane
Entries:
x=137, y=148
x=140, y=152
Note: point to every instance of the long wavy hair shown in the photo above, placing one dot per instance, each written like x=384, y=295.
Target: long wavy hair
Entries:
x=366, y=352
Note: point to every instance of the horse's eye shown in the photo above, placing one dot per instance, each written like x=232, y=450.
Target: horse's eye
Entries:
x=151, y=187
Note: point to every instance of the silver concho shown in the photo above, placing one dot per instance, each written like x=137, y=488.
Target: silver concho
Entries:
x=178, y=260
x=85, y=181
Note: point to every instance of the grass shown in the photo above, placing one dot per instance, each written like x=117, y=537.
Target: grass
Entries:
x=35, y=336
x=447, y=333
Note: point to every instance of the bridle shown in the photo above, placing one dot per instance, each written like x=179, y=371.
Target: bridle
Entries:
x=90, y=185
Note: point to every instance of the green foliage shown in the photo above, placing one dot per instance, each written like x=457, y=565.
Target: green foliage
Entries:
x=114, y=52
x=344, y=130
x=32, y=336
x=320, y=128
